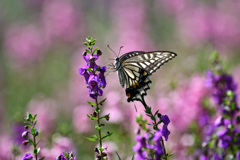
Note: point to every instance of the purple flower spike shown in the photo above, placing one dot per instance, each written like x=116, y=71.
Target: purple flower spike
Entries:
x=27, y=156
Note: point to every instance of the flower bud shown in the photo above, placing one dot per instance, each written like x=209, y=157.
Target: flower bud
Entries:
x=25, y=142
x=84, y=53
x=99, y=52
x=25, y=134
x=26, y=127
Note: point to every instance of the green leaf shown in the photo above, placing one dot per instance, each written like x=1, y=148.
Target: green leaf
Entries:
x=171, y=154
x=28, y=124
x=93, y=118
x=108, y=135
x=133, y=157
x=66, y=155
x=35, y=151
x=105, y=116
x=92, y=103
x=102, y=101
x=30, y=141
x=97, y=109
x=118, y=155
x=90, y=70
x=91, y=139
x=95, y=50
x=153, y=118
x=101, y=149
x=32, y=131
x=34, y=124
x=156, y=112
x=85, y=43
x=95, y=136
x=97, y=68
x=34, y=116
x=88, y=51
x=97, y=127
x=42, y=158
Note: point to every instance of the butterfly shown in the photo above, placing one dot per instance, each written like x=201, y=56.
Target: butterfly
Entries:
x=135, y=68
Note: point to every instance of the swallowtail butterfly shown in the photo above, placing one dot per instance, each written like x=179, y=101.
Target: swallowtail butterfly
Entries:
x=135, y=68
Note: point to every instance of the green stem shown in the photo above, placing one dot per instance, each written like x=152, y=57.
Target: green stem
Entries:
x=35, y=145
x=99, y=130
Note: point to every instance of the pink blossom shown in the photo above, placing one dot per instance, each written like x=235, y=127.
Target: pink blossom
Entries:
x=59, y=19
x=24, y=43
x=129, y=19
x=81, y=122
x=5, y=147
x=59, y=145
x=46, y=113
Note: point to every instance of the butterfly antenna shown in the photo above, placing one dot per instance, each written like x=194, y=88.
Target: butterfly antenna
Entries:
x=119, y=50
x=135, y=107
x=112, y=50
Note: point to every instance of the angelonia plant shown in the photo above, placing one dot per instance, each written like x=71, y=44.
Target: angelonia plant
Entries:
x=222, y=139
x=95, y=81
x=151, y=146
x=30, y=134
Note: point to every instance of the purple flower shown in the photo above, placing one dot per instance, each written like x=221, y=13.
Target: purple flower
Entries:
x=165, y=119
x=165, y=132
x=217, y=157
x=27, y=156
x=94, y=89
x=102, y=77
x=83, y=71
x=91, y=60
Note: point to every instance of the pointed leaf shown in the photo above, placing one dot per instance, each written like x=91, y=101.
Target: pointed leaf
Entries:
x=92, y=103
x=91, y=139
x=102, y=101
x=95, y=50
x=30, y=141
x=93, y=118
x=105, y=116
x=108, y=135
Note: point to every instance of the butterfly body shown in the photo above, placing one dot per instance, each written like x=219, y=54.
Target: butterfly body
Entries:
x=134, y=70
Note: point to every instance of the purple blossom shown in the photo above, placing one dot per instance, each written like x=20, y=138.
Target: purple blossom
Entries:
x=94, y=89
x=83, y=71
x=27, y=156
x=165, y=119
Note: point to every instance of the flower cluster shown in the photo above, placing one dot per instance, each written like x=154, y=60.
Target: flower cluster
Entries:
x=66, y=156
x=222, y=142
x=150, y=145
x=93, y=74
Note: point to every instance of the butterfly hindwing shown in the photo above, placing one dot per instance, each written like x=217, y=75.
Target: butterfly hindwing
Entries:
x=134, y=70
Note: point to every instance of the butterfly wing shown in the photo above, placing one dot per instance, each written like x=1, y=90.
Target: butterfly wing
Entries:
x=136, y=68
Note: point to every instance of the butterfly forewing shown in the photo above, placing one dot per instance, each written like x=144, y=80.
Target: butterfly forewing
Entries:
x=149, y=61
x=134, y=70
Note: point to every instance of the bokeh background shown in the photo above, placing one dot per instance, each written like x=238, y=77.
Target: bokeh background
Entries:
x=41, y=52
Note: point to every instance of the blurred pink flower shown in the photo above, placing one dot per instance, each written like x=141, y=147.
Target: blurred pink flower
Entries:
x=110, y=148
x=5, y=147
x=59, y=19
x=46, y=113
x=174, y=6
x=81, y=122
x=24, y=43
x=204, y=24
x=113, y=107
x=60, y=144
x=130, y=22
